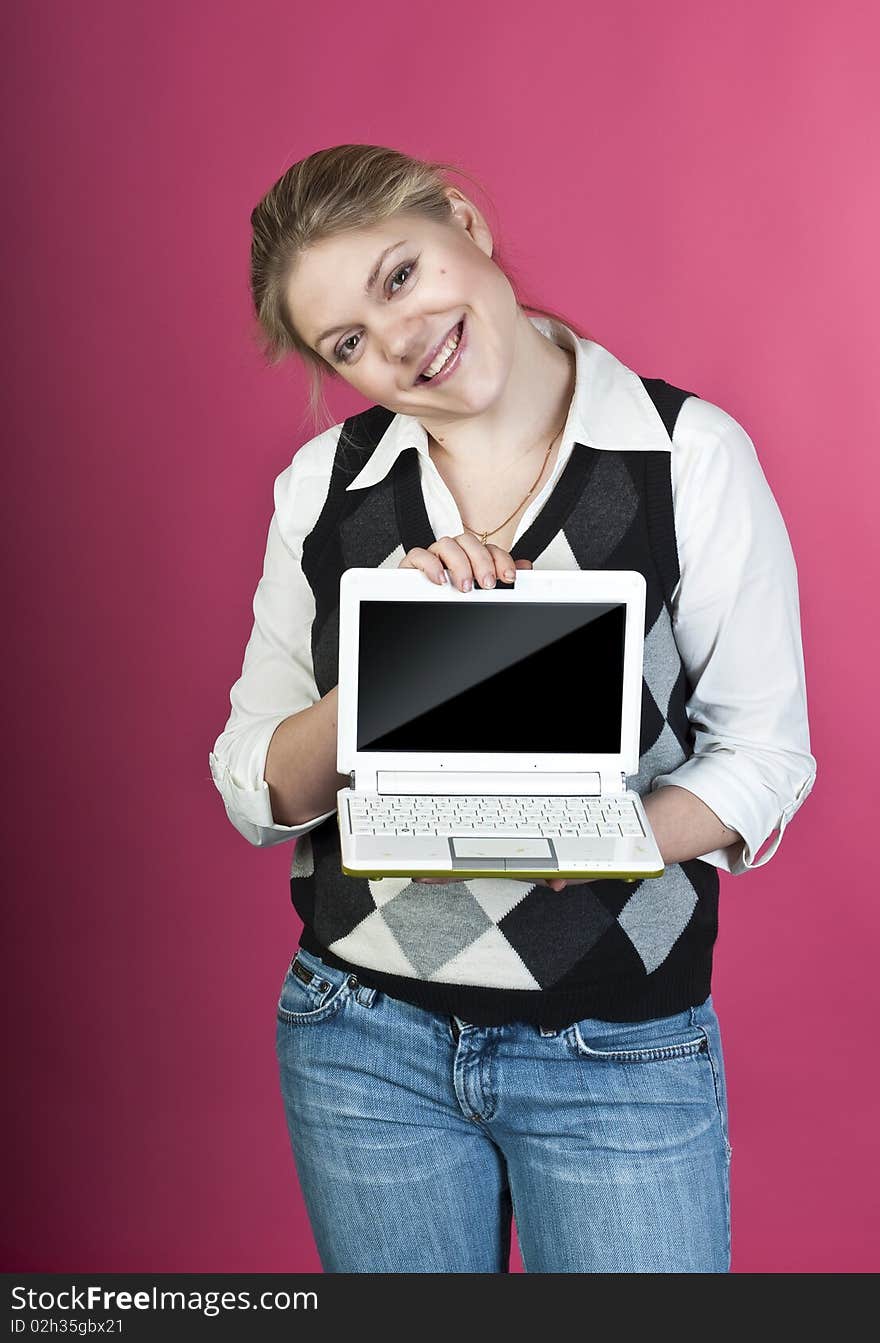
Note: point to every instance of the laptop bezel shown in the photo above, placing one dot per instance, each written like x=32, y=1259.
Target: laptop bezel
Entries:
x=532, y=585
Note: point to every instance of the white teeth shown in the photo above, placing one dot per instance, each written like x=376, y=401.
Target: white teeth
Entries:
x=449, y=348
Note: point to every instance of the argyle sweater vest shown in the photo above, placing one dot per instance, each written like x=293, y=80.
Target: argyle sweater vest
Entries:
x=498, y=950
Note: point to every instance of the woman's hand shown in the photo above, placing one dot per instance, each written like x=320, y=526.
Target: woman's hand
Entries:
x=467, y=559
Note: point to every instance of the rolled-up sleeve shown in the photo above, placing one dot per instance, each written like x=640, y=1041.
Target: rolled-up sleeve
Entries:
x=736, y=619
x=277, y=676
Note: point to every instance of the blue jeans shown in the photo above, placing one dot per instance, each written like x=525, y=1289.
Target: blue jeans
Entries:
x=416, y=1136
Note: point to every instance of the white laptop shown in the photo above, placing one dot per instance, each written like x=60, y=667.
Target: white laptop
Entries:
x=490, y=733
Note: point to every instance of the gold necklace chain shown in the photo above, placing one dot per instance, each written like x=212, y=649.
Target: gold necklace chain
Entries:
x=481, y=536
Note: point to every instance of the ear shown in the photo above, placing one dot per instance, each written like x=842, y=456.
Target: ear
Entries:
x=462, y=209
x=466, y=215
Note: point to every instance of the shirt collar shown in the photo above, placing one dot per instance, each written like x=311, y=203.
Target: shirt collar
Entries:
x=610, y=408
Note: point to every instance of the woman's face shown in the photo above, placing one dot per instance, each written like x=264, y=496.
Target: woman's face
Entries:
x=430, y=275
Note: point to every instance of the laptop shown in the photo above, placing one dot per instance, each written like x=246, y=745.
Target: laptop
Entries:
x=490, y=733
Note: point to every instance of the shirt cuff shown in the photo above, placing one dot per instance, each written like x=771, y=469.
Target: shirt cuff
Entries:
x=250, y=809
x=742, y=801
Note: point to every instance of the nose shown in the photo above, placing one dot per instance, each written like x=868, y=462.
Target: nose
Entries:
x=402, y=340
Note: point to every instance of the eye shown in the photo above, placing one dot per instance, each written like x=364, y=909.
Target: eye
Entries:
x=409, y=266
x=343, y=352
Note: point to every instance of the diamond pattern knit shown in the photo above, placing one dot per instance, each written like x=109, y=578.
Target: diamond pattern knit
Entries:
x=493, y=950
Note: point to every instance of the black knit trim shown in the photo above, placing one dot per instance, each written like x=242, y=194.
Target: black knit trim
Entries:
x=669, y=990
x=564, y=497
x=668, y=400
x=660, y=520
x=409, y=503
x=659, y=505
x=358, y=439
x=415, y=527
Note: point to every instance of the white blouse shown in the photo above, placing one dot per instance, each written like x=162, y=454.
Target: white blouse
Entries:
x=735, y=609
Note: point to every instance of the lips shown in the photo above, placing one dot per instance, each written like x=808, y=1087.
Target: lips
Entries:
x=432, y=354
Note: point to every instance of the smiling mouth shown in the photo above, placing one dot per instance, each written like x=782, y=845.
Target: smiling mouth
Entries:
x=459, y=330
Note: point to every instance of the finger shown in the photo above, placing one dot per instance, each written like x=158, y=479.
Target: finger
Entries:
x=505, y=565
x=456, y=560
x=430, y=565
x=481, y=559
x=558, y=883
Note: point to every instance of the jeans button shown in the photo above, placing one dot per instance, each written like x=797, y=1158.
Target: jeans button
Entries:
x=352, y=981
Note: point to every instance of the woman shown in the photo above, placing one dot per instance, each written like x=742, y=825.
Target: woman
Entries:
x=452, y=1054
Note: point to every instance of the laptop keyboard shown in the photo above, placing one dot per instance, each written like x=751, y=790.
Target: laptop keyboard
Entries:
x=532, y=817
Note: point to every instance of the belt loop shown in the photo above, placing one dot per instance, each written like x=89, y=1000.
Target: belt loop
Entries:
x=456, y=1029
x=546, y=1031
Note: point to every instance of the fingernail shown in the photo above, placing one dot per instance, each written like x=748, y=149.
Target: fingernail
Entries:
x=466, y=585
x=509, y=574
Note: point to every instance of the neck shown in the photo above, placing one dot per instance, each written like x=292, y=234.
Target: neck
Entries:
x=520, y=422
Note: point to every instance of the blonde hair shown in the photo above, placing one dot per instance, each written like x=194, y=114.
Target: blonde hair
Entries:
x=330, y=192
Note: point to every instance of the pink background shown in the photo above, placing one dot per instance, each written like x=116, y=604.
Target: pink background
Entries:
x=696, y=185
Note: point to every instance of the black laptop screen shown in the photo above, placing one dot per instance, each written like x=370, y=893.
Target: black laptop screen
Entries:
x=541, y=677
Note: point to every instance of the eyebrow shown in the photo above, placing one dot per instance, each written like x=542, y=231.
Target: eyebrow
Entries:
x=368, y=289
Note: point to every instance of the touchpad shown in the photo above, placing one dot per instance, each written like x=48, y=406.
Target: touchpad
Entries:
x=502, y=848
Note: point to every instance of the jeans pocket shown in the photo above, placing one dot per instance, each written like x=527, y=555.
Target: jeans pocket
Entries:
x=659, y=1038
x=311, y=991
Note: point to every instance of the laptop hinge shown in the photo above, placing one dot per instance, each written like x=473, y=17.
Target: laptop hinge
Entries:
x=446, y=781
x=560, y=783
